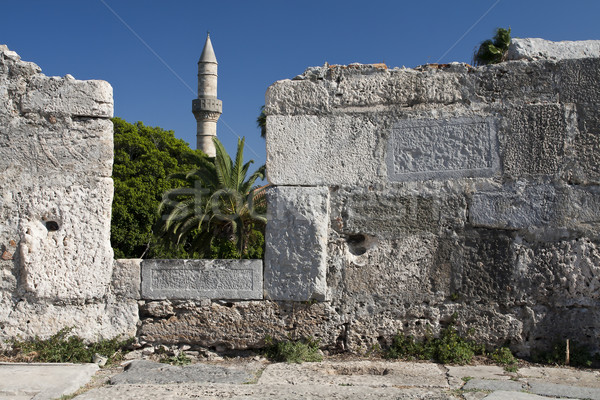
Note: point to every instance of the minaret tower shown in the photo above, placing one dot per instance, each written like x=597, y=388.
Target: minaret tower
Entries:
x=207, y=108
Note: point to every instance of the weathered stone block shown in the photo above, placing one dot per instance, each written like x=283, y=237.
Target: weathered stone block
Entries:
x=127, y=278
x=368, y=86
x=91, y=321
x=541, y=49
x=296, y=243
x=584, y=157
x=442, y=149
x=516, y=208
x=561, y=274
x=353, y=155
x=297, y=97
x=543, y=208
x=533, y=139
x=200, y=279
x=483, y=267
x=65, y=148
x=243, y=324
x=55, y=224
x=517, y=81
x=385, y=215
x=68, y=96
x=579, y=81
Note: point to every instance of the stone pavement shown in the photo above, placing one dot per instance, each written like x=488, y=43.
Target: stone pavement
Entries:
x=364, y=379
x=42, y=381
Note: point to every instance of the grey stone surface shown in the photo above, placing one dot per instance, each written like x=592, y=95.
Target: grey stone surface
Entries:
x=442, y=149
x=254, y=392
x=127, y=278
x=148, y=372
x=507, y=395
x=317, y=158
x=557, y=390
x=578, y=81
x=523, y=207
x=358, y=373
x=43, y=381
x=564, y=376
x=296, y=241
x=457, y=373
x=536, y=49
x=238, y=325
x=492, y=385
x=533, y=138
x=201, y=279
x=92, y=321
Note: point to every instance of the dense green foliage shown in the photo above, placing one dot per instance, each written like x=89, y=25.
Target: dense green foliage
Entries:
x=144, y=159
x=219, y=213
x=493, y=51
x=62, y=347
x=293, y=351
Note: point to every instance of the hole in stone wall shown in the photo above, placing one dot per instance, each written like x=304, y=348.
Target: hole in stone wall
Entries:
x=356, y=244
x=359, y=244
x=51, y=226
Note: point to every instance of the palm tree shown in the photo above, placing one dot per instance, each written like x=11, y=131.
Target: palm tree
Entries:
x=261, y=122
x=218, y=203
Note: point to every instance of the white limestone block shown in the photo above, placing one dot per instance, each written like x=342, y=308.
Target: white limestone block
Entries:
x=296, y=243
x=540, y=49
x=66, y=95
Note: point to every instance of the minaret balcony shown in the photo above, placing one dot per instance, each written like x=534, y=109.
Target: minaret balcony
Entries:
x=211, y=105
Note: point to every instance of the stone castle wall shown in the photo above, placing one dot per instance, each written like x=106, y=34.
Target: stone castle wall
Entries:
x=446, y=191
x=56, y=154
x=402, y=199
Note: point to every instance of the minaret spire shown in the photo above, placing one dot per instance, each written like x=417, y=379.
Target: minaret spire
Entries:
x=207, y=108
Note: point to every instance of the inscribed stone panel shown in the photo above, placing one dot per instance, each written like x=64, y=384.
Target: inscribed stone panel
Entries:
x=198, y=279
x=442, y=149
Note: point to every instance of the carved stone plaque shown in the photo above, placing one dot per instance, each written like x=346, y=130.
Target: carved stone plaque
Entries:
x=201, y=279
x=442, y=149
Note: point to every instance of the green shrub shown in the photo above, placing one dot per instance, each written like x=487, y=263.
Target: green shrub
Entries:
x=493, y=51
x=293, y=351
x=448, y=348
x=62, y=347
x=504, y=357
x=180, y=359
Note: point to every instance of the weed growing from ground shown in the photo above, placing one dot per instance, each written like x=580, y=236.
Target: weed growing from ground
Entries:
x=63, y=347
x=448, y=348
x=293, y=351
x=180, y=359
x=504, y=357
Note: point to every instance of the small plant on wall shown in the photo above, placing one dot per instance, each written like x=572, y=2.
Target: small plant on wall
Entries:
x=493, y=51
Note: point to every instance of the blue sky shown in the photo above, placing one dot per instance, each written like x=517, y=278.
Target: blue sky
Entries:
x=258, y=43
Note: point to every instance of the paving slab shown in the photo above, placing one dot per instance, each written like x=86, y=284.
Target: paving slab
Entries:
x=556, y=390
x=494, y=384
x=564, y=376
x=148, y=372
x=363, y=373
x=42, y=381
x=457, y=373
x=261, y=392
x=507, y=395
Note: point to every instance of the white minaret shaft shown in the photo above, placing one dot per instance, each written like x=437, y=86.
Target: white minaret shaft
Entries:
x=207, y=108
